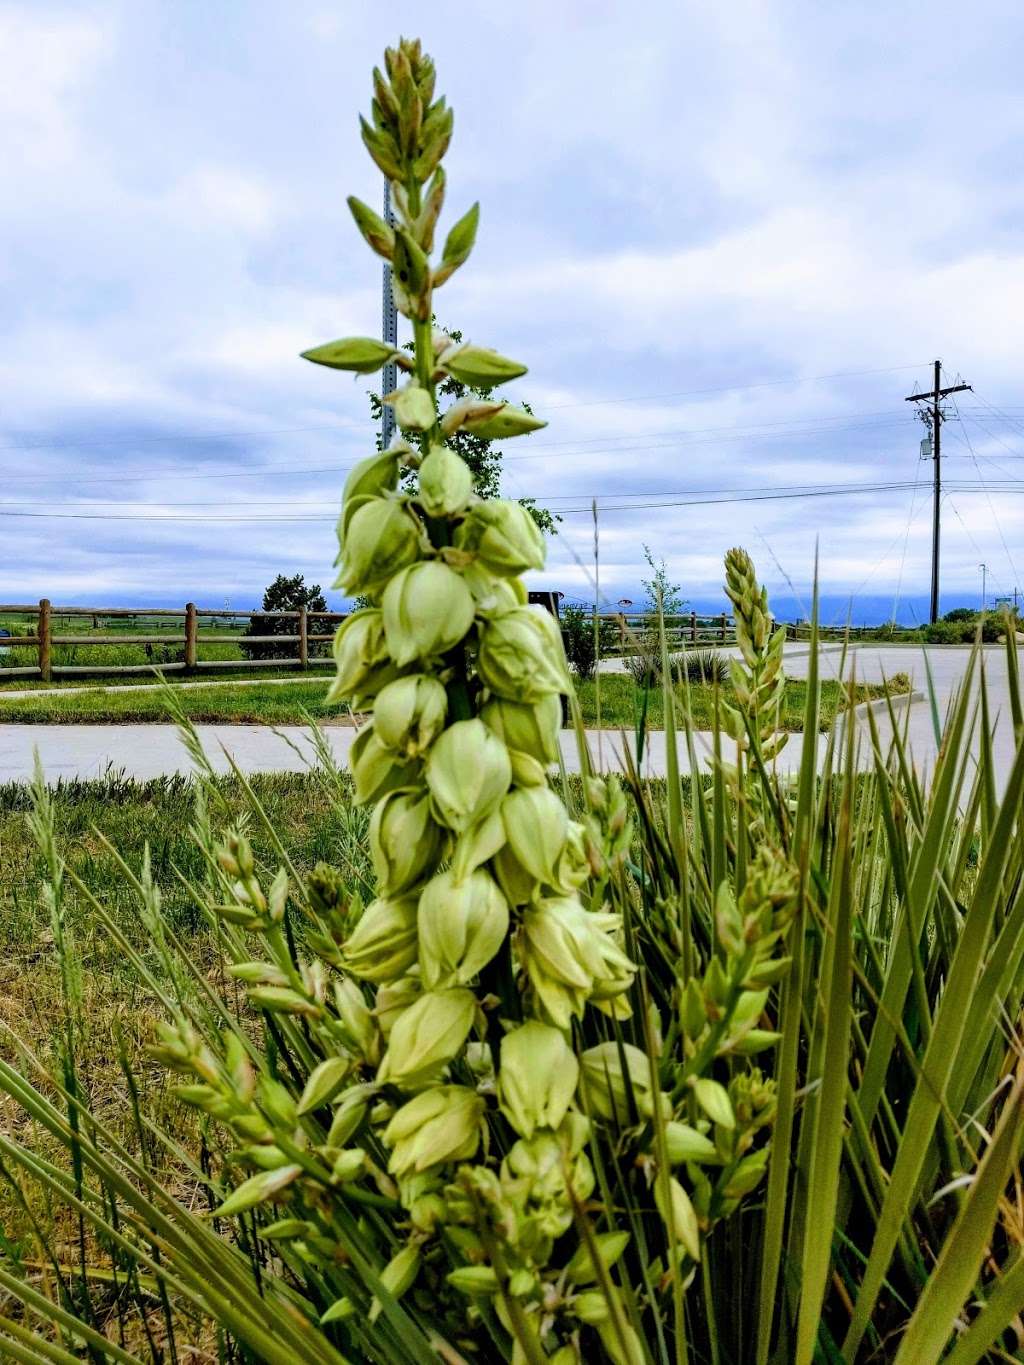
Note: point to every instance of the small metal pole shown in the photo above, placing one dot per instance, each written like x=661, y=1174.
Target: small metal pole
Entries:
x=389, y=333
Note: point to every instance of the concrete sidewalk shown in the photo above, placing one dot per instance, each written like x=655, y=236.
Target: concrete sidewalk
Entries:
x=145, y=751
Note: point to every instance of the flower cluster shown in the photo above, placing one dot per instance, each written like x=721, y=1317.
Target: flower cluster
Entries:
x=439, y=1025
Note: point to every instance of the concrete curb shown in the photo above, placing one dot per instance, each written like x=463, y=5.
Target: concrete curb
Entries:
x=899, y=701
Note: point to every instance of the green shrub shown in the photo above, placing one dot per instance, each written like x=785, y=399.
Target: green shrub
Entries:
x=578, y=637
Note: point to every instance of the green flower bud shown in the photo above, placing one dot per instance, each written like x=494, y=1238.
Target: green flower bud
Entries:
x=610, y=1246
x=521, y=656
x=567, y=952
x=537, y=1077
x=356, y=1018
x=349, y=1114
x=364, y=355
x=573, y=866
x=591, y=1307
x=536, y=825
x=372, y=477
x=361, y=655
x=531, y=729
x=479, y=367
x=468, y=772
x=383, y=944
x=503, y=536
x=476, y=1280
x=381, y=538
x=324, y=1083
x=678, y=1214
x=405, y=843
x=348, y=1165
x=683, y=1143
x=438, y=1125
x=446, y=482
x=409, y=713
x=427, y=610
x=393, y=999
x=378, y=234
x=427, y=1037
x=616, y=1085
x=397, y=1276
x=414, y=407
x=481, y=841
x=713, y=1098
x=462, y=924
x=516, y=883
x=507, y=422
x=376, y=769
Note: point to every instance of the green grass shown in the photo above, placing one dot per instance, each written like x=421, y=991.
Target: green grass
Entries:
x=622, y=701
x=285, y=703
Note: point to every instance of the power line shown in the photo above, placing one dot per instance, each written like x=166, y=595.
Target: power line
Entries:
x=343, y=426
x=995, y=514
x=777, y=495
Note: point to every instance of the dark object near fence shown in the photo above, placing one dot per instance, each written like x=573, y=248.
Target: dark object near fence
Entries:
x=283, y=597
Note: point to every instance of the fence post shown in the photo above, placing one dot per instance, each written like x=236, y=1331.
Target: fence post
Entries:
x=303, y=637
x=191, y=643
x=693, y=627
x=725, y=626
x=43, y=635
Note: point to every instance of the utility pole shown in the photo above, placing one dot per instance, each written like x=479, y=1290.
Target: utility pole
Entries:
x=389, y=333
x=984, y=571
x=934, y=419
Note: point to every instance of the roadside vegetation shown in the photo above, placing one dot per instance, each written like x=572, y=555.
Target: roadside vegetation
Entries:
x=622, y=704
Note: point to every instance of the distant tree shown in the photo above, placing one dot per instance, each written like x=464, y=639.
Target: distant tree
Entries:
x=483, y=458
x=284, y=594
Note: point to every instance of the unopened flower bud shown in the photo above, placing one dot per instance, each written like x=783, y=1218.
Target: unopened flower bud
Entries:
x=462, y=924
x=468, y=772
x=516, y=883
x=683, y=1143
x=478, y=1281
x=506, y=422
x=446, y=482
x=372, y=477
x=409, y=713
x=678, y=1213
x=414, y=407
x=616, y=1085
x=521, y=656
x=441, y=1124
x=427, y=610
x=503, y=536
x=530, y=728
x=381, y=538
x=480, y=367
x=426, y=1037
x=397, y=1277
x=361, y=656
x=362, y=355
x=405, y=843
x=537, y=1077
x=383, y=944
x=375, y=768
x=356, y=1017
x=536, y=825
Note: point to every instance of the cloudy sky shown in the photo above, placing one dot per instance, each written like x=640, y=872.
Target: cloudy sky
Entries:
x=727, y=239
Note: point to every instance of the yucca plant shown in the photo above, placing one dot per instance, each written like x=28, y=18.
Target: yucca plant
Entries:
x=721, y=1070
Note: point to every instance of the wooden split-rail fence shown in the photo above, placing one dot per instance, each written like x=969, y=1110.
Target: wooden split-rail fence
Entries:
x=187, y=631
